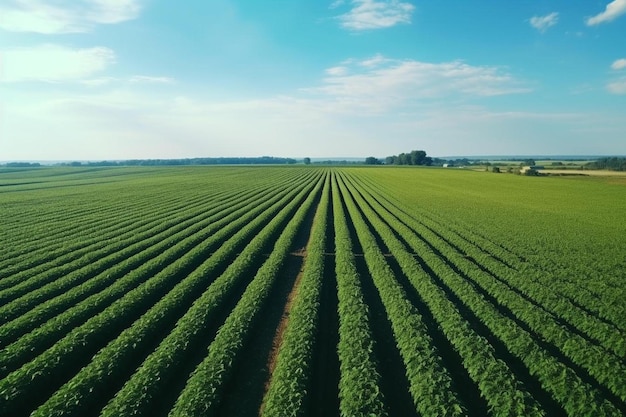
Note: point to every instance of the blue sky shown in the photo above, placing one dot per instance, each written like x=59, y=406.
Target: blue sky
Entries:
x=121, y=79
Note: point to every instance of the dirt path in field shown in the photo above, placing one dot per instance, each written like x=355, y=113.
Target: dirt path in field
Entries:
x=284, y=320
x=294, y=267
x=323, y=395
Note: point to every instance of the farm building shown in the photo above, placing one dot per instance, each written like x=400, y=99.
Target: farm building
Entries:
x=530, y=170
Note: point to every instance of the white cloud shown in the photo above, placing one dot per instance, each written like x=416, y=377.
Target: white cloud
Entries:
x=613, y=10
x=444, y=106
x=542, y=23
x=116, y=124
x=134, y=80
x=619, y=64
x=337, y=71
x=378, y=84
x=125, y=125
x=373, y=14
x=53, y=63
x=151, y=79
x=54, y=17
x=617, y=87
x=374, y=61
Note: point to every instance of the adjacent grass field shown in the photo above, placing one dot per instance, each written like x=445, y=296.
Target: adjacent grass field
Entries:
x=293, y=291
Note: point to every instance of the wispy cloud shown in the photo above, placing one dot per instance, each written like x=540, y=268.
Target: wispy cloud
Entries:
x=617, y=87
x=141, y=124
x=54, y=63
x=337, y=71
x=613, y=10
x=134, y=80
x=542, y=23
x=378, y=83
x=619, y=64
x=46, y=17
x=149, y=79
x=373, y=14
x=51, y=63
x=374, y=61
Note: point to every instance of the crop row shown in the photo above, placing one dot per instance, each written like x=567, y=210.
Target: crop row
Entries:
x=124, y=276
x=529, y=281
x=540, y=248
x=543, y=313
x=98, y=219
x=290, y=379
x=166, y=300
x=82, y=340
x=45, y=235
x=556, y=378
x=359, y=391
x=85, y=236
x=204, y=387
x=498, y=384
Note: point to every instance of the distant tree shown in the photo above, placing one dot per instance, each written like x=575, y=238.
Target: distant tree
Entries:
x=495, y=169
x=611, y=163
x=417, y=158
x=23, y=164
x=391, y=160
x=528, y=162
x=404, y=159
x=370, y=160
x=412, y=158
x=307, y=161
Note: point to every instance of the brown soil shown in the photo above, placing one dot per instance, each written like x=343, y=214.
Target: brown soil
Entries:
x=282, y=326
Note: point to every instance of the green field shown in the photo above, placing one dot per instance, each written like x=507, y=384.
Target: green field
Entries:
x=309, y=291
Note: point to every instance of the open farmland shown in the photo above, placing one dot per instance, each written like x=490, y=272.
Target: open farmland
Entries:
x=292, y=291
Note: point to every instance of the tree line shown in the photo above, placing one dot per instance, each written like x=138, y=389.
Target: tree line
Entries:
x=189, y=161
x=610, y=163
x=411, y=158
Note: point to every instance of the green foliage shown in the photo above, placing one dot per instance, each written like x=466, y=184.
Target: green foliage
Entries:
x=287, y=392
x=412, y=158
x=205, y=386
x=112, y=279
x=358, y=386
x=612, y=164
